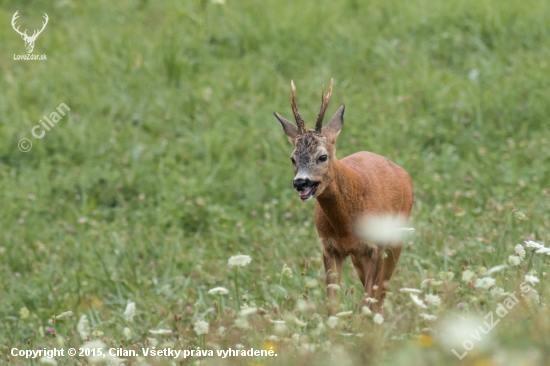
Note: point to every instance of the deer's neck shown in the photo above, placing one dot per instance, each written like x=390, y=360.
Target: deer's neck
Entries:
x=341, y=199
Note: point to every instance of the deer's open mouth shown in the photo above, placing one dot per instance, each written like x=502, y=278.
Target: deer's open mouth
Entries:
x=309, y=192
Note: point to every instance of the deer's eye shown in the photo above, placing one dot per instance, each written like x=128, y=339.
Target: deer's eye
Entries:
x=293, y=161
x=323, y=158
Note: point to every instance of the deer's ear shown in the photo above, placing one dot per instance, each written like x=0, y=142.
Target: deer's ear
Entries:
x=290, y=128
x=334, y=126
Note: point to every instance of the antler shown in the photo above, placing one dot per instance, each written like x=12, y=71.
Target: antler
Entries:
x=324, y=105
x=13, y=19
x=297, y=116
x=36, y=33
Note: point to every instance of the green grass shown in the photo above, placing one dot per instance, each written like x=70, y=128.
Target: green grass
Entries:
x=170, y=161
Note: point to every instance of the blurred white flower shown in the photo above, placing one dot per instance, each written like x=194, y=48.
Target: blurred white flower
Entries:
x=200, y=327
x=241, y=323
x=48, y=361
x=520, y=252
x=239, y=260
x=417, y=301
x=218, y=2
x=248, y=311
x=66, y=314
x=378, y=319
x=495, y=269
x=221, y=330
x=130, y=311
x=299, y=322
x=332, y=322
x=484, y=283
x=152, y=342
x=239, y=346
x=467, y=275
x=370, y=300
x=533, y=244
x=127, y=333
x=430, y=282
x=343, y=314
x=160, y=331
x=365, y=310
x=432, y=299
x=83, y=327
x=514, y=260
x=543, y=251
x=498, y=292
x=303, y=305
x=428, y=317
x=218, y=291
x=410, y=290
x=295, y=337
x=531, y=279
x=286, y=272
x=381, y=229
x=24, y=312
x=334, y=286
x=454, y=331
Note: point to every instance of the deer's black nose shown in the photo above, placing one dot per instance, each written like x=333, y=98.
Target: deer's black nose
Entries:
x=301, y=184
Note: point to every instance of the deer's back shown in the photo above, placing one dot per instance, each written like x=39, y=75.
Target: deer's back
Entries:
x=386, y=187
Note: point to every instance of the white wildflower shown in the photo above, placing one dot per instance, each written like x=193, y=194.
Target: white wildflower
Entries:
x=417, y=301
x=334, y=286
x=286, y=272
x=378, y=319
x=410, y=290
x=343, y=314
x=370, y=300
x=428, y=317
x=66, y=314
x=332, y=322
x=200, y=327
x=484, y=283
x=365, y=310
x=127, y=333
x=130, y=311
x=48, y=361
x=520, y=251
x=430, y=282
x=241, y=323
x=531, y=279
x=24, y=312
x=295, y=337
x=277, y=321
x=514, y=260
x=160, y=331
x=299, y=322
x=432, y=299
x=83, y=327
x=543, y=251
x=495, y=269
x=467, y=275
x=239, y=260
x=248, y=311
x=303, y=305
x=498, y=292
x=533, y=244
x=221, y=330
x=381, y=229
x=218, y=291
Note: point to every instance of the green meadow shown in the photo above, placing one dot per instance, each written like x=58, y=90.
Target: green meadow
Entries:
x=120, y=219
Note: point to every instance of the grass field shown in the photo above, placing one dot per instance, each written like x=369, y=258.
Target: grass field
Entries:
x=170, y=161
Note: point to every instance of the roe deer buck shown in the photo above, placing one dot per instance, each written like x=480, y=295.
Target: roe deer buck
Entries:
x=361, y=184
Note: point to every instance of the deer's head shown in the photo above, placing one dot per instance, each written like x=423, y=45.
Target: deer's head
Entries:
x=314, y=150
x=29, y=40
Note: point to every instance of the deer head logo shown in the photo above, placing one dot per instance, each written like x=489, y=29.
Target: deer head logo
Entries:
x=29, y=40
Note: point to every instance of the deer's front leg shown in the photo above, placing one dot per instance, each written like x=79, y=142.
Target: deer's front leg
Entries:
x=333, y=272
